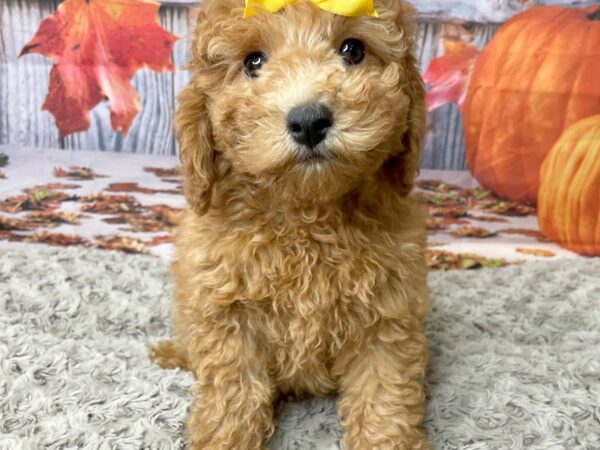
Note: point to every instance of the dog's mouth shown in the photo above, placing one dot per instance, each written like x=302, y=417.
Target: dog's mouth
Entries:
x=313, y=156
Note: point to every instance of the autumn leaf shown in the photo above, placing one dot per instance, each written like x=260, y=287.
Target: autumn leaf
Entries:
x=97, y=46
x=121, y=243
x=116, y=220
x=110, y=204
x=164, y=173
x=492, y=219
x=13, y=204
x=57, y=239
x=34, y=200
x=448, y=211
x=53, y=186
x=444, y=260
x=11, y=236
x=110, y=207
x=472, y=232
x=449, y=75
x=171, y=216
x=100, y=197
x=10, y=224
x=54, y=218
x=134, y=187
x=535, y=252
x=436, y=224
x=536, y=234
x=158, y=218
x=512, y=209
x=160, y=240
x=437, y=186
x=76, y=173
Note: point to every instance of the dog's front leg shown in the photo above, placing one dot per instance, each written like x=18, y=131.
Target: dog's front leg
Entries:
x=382, y=398
x=233, y=395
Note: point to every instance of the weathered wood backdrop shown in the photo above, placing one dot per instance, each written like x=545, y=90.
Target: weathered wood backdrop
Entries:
x=24, y=82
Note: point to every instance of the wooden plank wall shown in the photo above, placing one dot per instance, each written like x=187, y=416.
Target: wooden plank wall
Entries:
x=24, y=82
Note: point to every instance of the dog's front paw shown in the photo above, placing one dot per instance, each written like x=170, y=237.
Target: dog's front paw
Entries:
x=415, y=442
x=168, y=355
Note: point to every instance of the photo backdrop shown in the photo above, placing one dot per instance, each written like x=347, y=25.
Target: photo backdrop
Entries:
x=24, y=81
x=513, y=99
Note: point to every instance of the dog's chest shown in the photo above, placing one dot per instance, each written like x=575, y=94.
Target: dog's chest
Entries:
x=319, y=286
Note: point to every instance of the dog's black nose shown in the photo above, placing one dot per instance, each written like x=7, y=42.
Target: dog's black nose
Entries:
x=309, y=124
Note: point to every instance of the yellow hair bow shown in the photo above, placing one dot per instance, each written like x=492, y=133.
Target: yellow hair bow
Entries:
x=339, y=7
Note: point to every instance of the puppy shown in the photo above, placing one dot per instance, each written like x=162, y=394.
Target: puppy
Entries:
x=299, y=265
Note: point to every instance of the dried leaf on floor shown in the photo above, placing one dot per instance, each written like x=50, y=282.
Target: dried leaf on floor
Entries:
x=121, y=243
x=512, y=209
x=76, y=173
x=535, y=252
x=4, y=160
x=438, y=198
x=156, y=218
x=34, y=200
x=438, y=224
x=490, y=219
x=437, y=186
x=160, y=172
x=109, y=207
x=444, y=260
x=54, y=218
x=535, y=234
x=11, y=224
x=8, y=235
x=139, y=223
x=110, y=204
x=118, y=220
x=55, y=186
x=478, y=195
x=170, y=215
x=13, y=204
x=134, y=187
x=57, y=239
x=176, y=181
x=119, y=198
x=160, y=240
x=448, y=211
x=472, y=232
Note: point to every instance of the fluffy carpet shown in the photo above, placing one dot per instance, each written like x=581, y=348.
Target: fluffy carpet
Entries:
x=515, y=358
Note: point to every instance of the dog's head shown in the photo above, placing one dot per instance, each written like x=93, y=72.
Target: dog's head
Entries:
x=302, y=102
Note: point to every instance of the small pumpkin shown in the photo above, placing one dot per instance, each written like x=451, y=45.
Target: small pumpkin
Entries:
x=536, y=77
x=569, y=196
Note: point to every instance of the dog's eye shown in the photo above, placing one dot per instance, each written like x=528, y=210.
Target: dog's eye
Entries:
x=253, y=62
x=353, y=51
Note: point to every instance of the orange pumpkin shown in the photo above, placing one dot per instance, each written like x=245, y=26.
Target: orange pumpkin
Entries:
x=537, y=76
x=569, y=197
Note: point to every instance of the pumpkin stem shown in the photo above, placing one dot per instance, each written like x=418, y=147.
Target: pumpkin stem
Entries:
x=595, y=15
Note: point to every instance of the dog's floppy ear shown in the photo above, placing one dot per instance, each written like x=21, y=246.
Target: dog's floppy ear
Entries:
x=194, y=131
x=402, y=168
x=196, y=153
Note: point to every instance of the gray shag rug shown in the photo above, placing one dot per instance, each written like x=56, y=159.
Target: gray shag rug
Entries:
x=515, y=358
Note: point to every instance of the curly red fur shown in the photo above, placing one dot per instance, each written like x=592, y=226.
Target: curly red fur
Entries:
x=299, y=277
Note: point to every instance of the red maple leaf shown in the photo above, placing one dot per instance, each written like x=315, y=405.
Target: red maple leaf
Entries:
x=449, y=75
x=97, y=46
